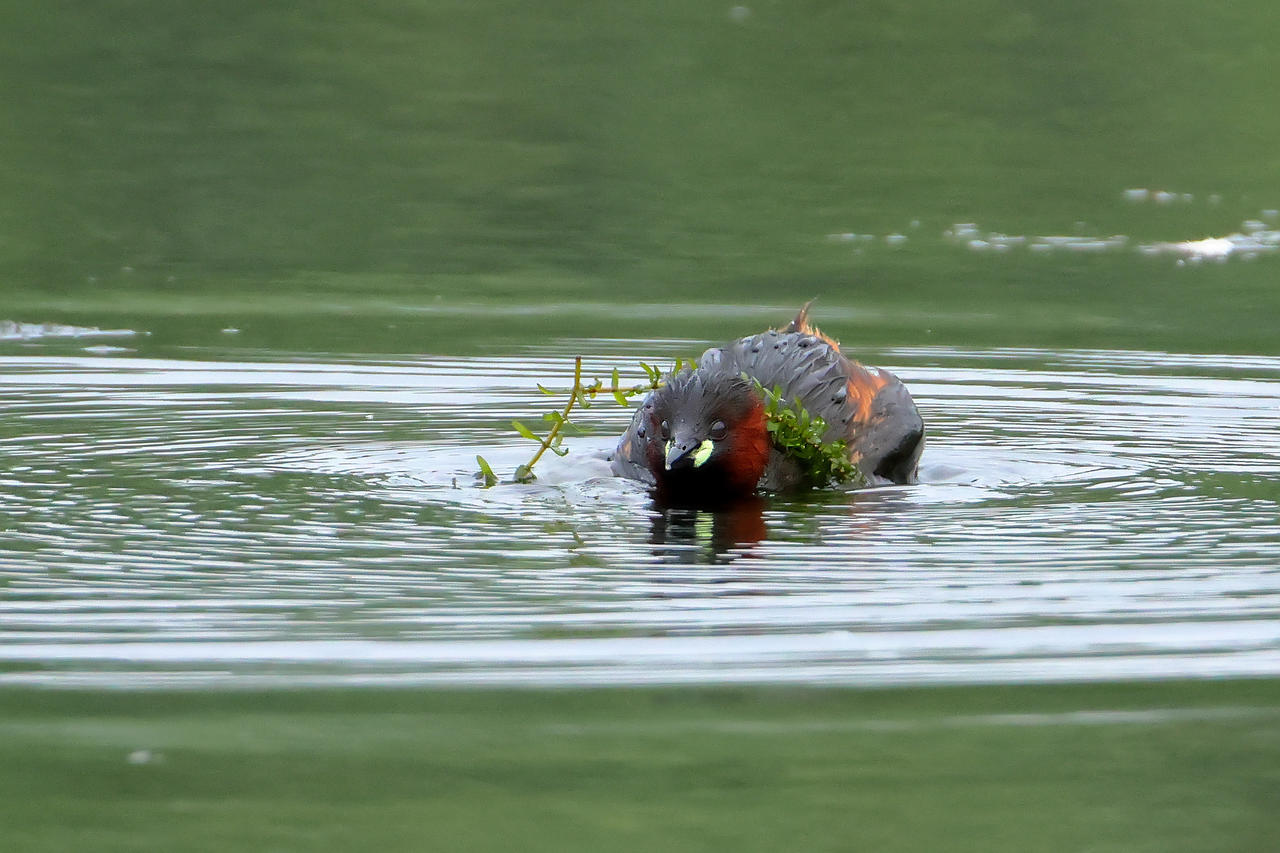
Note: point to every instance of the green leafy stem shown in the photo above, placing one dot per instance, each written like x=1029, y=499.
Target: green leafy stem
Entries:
x=581, y=396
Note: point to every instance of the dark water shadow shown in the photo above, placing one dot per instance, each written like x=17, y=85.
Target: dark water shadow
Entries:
x=691, y=535
x=724, y=534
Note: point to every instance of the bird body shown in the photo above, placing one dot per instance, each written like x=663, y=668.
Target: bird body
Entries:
x=704, y=435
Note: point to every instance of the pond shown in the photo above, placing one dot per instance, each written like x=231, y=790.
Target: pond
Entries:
x=218, y=516
x=272, y=276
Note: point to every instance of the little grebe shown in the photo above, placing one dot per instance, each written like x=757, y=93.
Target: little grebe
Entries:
x=703, y=435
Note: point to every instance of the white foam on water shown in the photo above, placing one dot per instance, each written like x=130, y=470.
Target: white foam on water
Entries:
x=14, y=331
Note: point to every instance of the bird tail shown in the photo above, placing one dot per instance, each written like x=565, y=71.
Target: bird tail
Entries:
x=802, y=324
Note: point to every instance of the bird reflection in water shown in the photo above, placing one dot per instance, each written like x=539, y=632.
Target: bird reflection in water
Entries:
x=708, y=535
x=725, y=533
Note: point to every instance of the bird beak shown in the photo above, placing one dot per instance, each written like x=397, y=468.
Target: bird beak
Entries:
x=681, y=455
x=677, y=455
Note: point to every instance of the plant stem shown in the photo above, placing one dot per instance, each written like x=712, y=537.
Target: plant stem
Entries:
x=564, y=416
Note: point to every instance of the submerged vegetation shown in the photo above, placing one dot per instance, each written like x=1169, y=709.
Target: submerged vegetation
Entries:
x=792, y=429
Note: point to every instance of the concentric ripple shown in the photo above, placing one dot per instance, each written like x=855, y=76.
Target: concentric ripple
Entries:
x=275, y=520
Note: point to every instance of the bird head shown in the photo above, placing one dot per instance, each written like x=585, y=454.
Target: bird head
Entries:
x=705, y=436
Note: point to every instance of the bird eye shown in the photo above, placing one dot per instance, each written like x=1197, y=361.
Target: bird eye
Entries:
x=718, y=431
x=665, y=429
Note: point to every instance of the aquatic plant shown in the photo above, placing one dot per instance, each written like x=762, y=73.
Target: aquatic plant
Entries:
x=799, y=435
x=581, y=396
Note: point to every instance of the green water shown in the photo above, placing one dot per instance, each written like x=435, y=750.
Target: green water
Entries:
x=1018, y=769
x=247, y=160
x=350, y=237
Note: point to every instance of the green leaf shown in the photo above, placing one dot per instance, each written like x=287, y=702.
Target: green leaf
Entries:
x=545, y=390
x=525, y=431
x=617, y=388
x=524, y=474
x=489, y=479
x=559, y=451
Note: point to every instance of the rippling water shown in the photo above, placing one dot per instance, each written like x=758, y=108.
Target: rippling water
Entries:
x=243, y=518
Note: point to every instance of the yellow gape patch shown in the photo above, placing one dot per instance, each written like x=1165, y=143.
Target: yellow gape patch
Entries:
x=703, y=453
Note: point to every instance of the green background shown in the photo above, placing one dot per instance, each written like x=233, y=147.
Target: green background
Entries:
x=402, y=158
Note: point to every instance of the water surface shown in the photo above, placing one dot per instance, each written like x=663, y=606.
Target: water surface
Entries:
x=231, y=516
